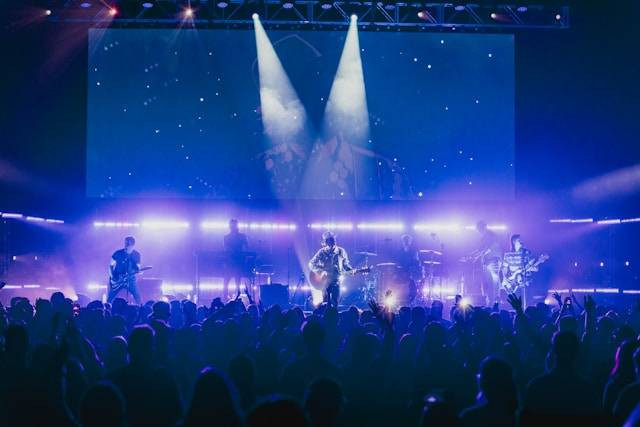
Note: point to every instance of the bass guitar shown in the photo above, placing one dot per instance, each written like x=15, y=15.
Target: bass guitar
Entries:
x=320, y=281
x=122, y=281
x=517, y=278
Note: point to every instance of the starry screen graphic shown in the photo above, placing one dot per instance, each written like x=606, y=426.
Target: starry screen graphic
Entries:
x=239, y=114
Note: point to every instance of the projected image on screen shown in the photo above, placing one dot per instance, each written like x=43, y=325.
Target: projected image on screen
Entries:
x=244, y=114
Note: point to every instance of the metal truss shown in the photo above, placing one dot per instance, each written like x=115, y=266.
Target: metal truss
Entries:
x=377, y=15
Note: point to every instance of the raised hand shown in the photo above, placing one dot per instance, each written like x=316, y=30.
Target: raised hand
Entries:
x=558, y=298
x=589, y=304
x=515, y=302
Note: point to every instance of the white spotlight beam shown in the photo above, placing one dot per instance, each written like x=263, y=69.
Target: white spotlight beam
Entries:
x=283, y=115
x=346, y=112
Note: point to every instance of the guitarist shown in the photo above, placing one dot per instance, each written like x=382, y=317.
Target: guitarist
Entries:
x=125, y=263
x=330, y=262
x=518, y=258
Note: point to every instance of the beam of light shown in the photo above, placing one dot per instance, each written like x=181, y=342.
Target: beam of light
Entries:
x=619, y=183
x=34, y=218
x=627, y=220
x=283, y=115
x=346, y=112
x=12, y=215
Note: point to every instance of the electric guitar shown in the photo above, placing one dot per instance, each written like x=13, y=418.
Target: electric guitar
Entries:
x=115, y=284
x=320, y=281
x=517, y=278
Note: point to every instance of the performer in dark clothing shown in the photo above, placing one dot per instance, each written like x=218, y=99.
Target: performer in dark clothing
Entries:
x=124, y=264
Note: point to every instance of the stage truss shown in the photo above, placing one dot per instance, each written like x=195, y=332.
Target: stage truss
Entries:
x=380, y=15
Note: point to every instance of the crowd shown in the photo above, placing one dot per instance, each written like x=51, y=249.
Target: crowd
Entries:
x=241, y=364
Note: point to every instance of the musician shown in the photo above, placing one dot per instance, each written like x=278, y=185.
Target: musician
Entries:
x=518, y=259
x=330, y=262
x=408, y=262
x=125, y=262
x=235, y=246
x=490, y=253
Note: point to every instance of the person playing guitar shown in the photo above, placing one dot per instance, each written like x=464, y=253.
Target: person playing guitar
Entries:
x=123, y=267
x=328, y=264
x=518, y=266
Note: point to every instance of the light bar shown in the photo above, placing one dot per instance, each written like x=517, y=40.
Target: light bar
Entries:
x=54, y=221
x=437, y=227
x=571, y=221
x=583, y=290
x=12, y=215
x=30, y=286
x=607, y=290
x=608, y=221
x=630, y=220
x=331, y=226
x=34, y=218
x=93, y=286
x=165, y=225
x=114, y=224
x=631, y=291
x=176, y=287
x=269, y=226
x=390, y=226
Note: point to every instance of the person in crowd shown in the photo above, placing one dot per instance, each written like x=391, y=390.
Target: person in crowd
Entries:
x=225, y=363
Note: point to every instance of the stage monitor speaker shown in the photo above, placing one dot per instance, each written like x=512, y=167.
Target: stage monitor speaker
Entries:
x=273, y=294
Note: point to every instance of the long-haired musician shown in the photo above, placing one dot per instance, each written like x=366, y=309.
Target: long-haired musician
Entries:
x=330, y=262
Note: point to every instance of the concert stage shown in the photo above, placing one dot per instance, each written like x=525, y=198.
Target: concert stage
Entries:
x=370, y=120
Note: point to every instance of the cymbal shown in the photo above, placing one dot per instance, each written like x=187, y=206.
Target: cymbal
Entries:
x=386, y=264
x=430, y=251
x=365, y=253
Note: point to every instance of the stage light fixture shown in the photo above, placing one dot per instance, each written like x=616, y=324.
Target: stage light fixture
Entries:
x=255, y=16
x=459, y=8
x=423, y=14
x=47, y=12
x=147, y=5
x=222, y=4
x=188, y=13
x=522, y=9
x=326, y=4
x=113, y=11
x=85, y=5
x=287, y=4
x=493, y=15
x=558, y=17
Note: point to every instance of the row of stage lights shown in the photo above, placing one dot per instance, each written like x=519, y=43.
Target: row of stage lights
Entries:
x=606, y=221
x=29, y=218
x=220, y=225
x=188, y=12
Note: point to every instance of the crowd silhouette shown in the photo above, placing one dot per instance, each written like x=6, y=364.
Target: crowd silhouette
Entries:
x=242, y=364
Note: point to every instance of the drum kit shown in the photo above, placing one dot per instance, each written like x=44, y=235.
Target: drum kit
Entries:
x=416, y=284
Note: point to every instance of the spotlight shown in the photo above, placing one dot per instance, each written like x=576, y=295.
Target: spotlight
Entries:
x=354, y=17
x=601, y=263
x=222, y=4
x=85, y=5
x=465, y=302
x=522, y=9
x=493, y=15
x=389, y=299
x=626, y=263
x=287, y=4
x=459, y=8
x=47, y=12
x=147, y=5
x=255, y=16
x=558, y=17
x=188, y=13
x=422, y=14
x=113, y=11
